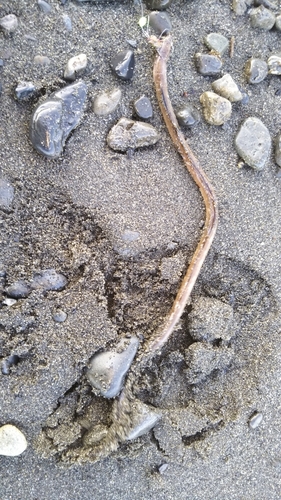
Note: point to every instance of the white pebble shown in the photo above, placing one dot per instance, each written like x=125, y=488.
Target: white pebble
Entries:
x=255, y=420
x=12, y=441
x=74, y=66
x=226, y=87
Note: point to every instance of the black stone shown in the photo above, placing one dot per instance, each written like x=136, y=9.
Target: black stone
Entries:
x=123, y=64
x=158, y=4
x=188, y=116
x=143, y=108
x=54, y=119
x=18, y=290
x=160, y=22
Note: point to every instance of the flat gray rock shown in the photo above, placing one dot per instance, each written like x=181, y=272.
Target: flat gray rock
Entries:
x=253, y=143
x=130, y=134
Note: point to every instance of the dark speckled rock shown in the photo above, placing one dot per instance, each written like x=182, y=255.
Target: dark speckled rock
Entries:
x=123, y=64
x=54, y=119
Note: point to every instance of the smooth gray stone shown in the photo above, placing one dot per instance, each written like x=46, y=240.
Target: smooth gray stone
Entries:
x=48, y=279
x=255, y=420
x=143, y=108
x=9, y=23
x=54, y=119
x=278, y=149
x=217, y=42
x=278, y=22
x=18, y=290
x=216, y=109
x=208, y=64
x=143, y=420
x=240, y=6
x=256, y=70
x=24, y=89
x=44, y=6
x=188, y=116
x=253, y=143
x=160, y=22
x=75, y=66
x=59, y=316
x=129, y=134
x=6, y=193
x=107, y=370
x=226, y=87
x=262, y=18
x=12, y=441
x=106, y=102
x=274, y=64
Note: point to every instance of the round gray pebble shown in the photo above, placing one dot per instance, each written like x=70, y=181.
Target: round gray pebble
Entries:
x=208, y=64
x=44, y=6
x=226, y=87
x=106, y=102
x=129, y=134
x=256, y=70
x=262, y=18
x=217, y=42
x=274, y=64
x=59, y=316
x=278, y=22
x=216, y=109
x=253, y=143
x=49, y=279
x=188, y=116
x=6, y=193
x=9, y=23
x=255, y=420
x=143, y=108
x=18, y=290
x=75, y=66
x=160, y=22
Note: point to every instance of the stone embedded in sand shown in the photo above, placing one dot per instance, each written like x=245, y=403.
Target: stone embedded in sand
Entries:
x=106, y=102
x=188, y=116
x=6, y=193
x=256, y=70
x=107, y=370
x=75, y=66
x=9, y=23
x=255, y=420
x=274, y=64
x=19, y=290
x=143, y=420
x=278, y=149
x=54, y=119
x=129, y=134
x=160, y=22
x=217, y=110
x=12, y=441
x=48, y=279
x=253, y=143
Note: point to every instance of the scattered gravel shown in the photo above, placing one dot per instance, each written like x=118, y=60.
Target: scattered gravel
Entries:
x=106, y=102
x=216, y=109
x=129, y=134
x=12, y=441
x=253, y=143
x=256, y=70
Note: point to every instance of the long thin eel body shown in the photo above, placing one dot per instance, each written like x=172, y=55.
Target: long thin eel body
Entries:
x=163, y=47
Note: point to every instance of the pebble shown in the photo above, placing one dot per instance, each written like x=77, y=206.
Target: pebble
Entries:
x=255, y=420
x=210, y=319
x=143, y=108
x=59, y=316
x=8, y=362
x=6, y=193
x=274, y=64
x=226, y=87
x=240, y=6
x=267, y=3
x=18, y=290
x=123, y=64
x=253, y=143
x=160, y=22
x=12, y=441
x=216, y=109
x=48, y=279
x=129, y=134
x=24, y=89
x=41, y=60
x=208, y=64
x=158, y=4
x=188, y=116
x=75, y=66
x=278, y=149
x=9, y=23
x=202, y=359
x=278, y=22
x=9, y=302
x=262, y=18
x=107, y=370
x=67, y=22
x=106, y=102
x=217, y=42
x=130, y=236
x=53, y=120
x=162, y=468
x=144, y=418
x=256, y=70
x=44, y=6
